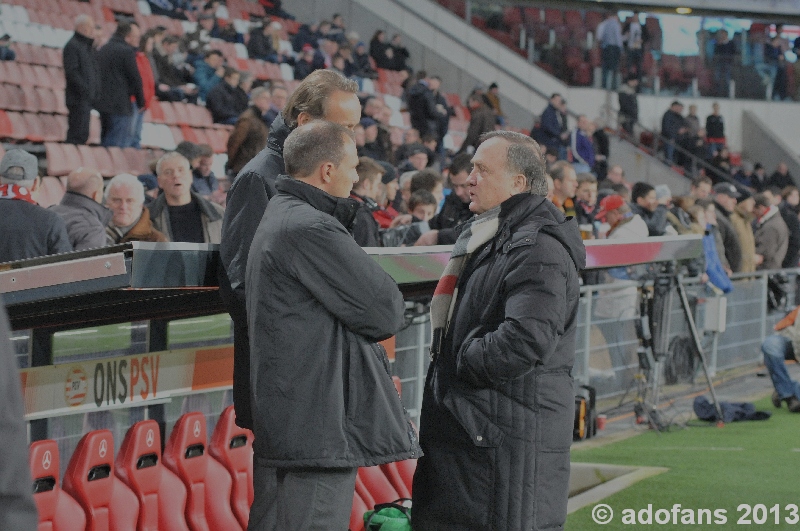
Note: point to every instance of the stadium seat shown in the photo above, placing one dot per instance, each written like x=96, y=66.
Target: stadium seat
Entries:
x=377, y=485
x=61, y=158
x=207, y=482
x=357, y=513
x=89, y=478
x=157, y=136
x=233, y=447
x=136, y=161
x=58, y=511
x=161, y=495
x=6, y=127
x=12, y=98
x=53, y=128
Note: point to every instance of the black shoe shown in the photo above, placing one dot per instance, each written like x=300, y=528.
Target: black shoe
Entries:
x=776, y=399
x=793, y=404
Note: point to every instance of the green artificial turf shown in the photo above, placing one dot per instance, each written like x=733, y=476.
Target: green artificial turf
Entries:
x=709, y=467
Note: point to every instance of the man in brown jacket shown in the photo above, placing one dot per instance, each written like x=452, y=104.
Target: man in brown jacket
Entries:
x=771, y=234
x=482, y=121
x=249, y=136
x=130, y=218
x=742, y=220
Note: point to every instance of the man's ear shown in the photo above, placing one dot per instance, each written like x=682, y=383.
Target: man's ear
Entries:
x=520, y=183
x=36, y=182
x=326, y=172
x=303, y=118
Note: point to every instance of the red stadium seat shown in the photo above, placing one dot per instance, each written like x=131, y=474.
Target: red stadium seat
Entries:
x=119, y=161
x=53, y=128
x=136, y=161
x=106, y=500
x=105, y=164
x=364, y=493
x=155, y=112
x=207, y=482
x=12, y=98
x=57, y=510
x=161, y=495
x=33, y=127
x=199, y=116
x=357, y=513
x=233, y=447
x=392, y=473
x=377, y=485
x=181, y=114
x=47, y=100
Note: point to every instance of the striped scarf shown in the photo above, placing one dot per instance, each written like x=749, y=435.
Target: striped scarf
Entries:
x=479, y=231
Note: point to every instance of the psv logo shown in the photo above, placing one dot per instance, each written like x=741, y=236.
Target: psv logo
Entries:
x=47, y=460
x=150, y=439
x=197, y=428
x=103, y=448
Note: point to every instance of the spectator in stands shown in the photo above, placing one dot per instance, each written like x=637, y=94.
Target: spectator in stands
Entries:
x=634, y=45
x=725, y=196
x=672, y=126
x=322, y=95
x=645, y=203
x=455, y=209
x=182, y=215
x=701, y=213
x=581, y=146
x=553, y=132
x=712, y=228
x=6, y=53
x=759, y=177
x=381, y=51
x=174, y=81
x=223, y=99
x=372, y=147
x=122, y=83
x=609, y=37
x=361, y=65
x=493, y=95
x=429, y=180
x=399, y=52
x=624, y=223
x=366, y=230
x=771, y=234
x=263, y=43
x=781, y=178
x=482, y=120
x=700, y=187
x=422, y=206
x=724, y=53
x=307, y=34
x=615, y=176
x=204, y=182
x=418, y=158
x=208, y=72
x=278, y=96
x=177, y=9
x=742, y=221
x=28, y=230
x=715, y=129
x=83, y=79
x=82, y=210
x=586, y=199
x=274, y=8
x=197, y=43
x=387, y=192
x=130, y=218
x=629, y=104
x=565, y=182
x=425, y=113
x=789, y=211
x=778, y=347
x=692, y=121
x=321, y=319
x=144, y=65
x=722, y=162
x=249, y=135
x=744, y=177
x=492, y=352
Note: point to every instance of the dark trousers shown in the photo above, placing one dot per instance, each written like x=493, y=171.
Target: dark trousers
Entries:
x=301, y=499
x=117, y=130
x=610, y=63
x=78, y=123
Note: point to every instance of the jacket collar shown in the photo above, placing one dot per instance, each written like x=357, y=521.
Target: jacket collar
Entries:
x=160, y=203
x=342, y=209
x=277, y=134
x=83, y=39
x=75, y=200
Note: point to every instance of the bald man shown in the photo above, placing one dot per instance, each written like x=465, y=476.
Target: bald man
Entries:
x=82, y=210
x=83, y=79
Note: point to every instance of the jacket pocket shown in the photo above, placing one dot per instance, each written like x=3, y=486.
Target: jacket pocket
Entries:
x=477, y=424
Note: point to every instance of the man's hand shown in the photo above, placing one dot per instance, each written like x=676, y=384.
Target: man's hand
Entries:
x=403, y=219
x=429, y=238
x=759, y=259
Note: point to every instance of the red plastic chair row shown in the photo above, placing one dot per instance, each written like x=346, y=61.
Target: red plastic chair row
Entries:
x=27, y=75
x=216, y=138
x=192, y=486
x=37, y=55
x=178, y=113
x=64, y=158
x=32, y=99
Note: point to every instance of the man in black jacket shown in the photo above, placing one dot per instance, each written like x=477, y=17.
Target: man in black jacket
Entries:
x=672, y=126
x=323, y=398
x=121, y=82
x=455, y=209
x=83, y=79
x=422, y=107
x=366, y=230
x=82, y=210
x=27, y=230
x=725, y=196
x=223, y=100
x=498, y=407
x=322, y=95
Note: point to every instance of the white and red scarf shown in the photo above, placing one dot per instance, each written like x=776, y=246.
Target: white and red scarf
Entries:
x=13, y=191
x=479, y=231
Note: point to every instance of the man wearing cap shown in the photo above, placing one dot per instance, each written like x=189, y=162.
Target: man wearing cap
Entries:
x=82, y=209
x=83, y=79
x=725, y=196
x=27, y=229
x=6, y=53
x=372, y=147
x=771, y=234
x=125, y=197
x=623, y=222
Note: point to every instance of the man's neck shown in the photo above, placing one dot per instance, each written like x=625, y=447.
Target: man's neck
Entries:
x=178, y=201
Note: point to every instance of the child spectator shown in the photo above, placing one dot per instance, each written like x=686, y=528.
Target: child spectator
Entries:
x=422, y=205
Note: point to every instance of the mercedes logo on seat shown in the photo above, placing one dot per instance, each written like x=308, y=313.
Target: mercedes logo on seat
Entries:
x=151, y=437
x=197, y=428
x=103, y=448
x=47, y=459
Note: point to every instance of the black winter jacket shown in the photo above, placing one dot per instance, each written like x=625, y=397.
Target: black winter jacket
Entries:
x=29, y=231
x=454, y=212
x=224, y=102
x=81, y=71
x=366, y=231
x=498, y=407
x=247, y=200
x=730, y=240
x=86, y=220
x=316, y=306
x=422, y=110
x=121, y=78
